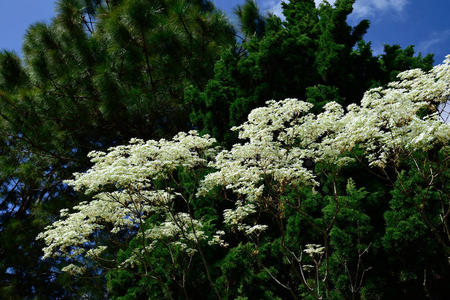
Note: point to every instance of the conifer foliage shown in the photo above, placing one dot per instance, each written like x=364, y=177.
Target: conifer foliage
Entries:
x=100, y=73
x=146, y=153
x=135, y=188
x=313, y=55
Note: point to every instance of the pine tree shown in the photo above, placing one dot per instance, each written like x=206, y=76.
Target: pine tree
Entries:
x=100, y=73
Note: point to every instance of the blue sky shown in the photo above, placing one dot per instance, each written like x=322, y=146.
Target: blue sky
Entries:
x=424, y=23
x=17, y=15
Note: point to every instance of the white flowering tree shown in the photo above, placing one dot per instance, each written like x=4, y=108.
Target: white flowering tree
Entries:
x=390, y=124
x=285, y=147
x=130, y=184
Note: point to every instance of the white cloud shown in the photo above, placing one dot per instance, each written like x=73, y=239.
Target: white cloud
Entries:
x=271, y=6
x=435, y=38
x=361, y=8
x=274, y=6
x=320, y=1
x=377, y=49
x=369, y=8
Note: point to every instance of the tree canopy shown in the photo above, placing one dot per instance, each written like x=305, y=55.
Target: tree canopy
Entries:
x=313, y=55
x=135, y=188
x=147, y=146
x=97, y=75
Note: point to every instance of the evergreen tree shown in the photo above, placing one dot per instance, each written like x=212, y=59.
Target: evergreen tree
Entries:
x=100, y=73
x=103, y=72
x=313, y=55
x=336, y=205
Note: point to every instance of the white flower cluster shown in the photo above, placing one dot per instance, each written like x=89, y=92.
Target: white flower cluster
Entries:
x=395, y=120
x=217, y=239
x=314, y=249
x=179, y=230
x=134, y=166
x=235, y=218
x=389, y=123
x=130, y=171
x=280, y=136
x=74, y=269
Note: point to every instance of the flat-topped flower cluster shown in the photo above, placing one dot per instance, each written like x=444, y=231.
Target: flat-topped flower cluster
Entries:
x=123, y=184
x=388, y=124
x=278, y=139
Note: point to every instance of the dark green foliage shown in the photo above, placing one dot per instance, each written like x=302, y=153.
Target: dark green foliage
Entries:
x=415, y=226
x=395, y=59
x=251, y=22
x=242, y=275
x=313, y=55
x=100, y=73
x=106, y=71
